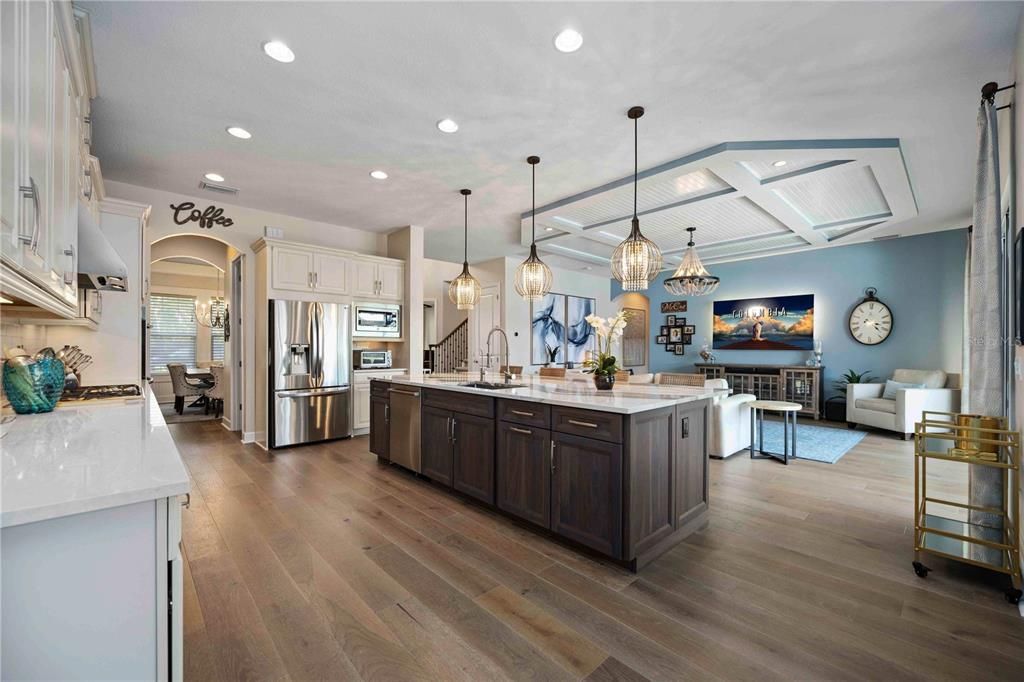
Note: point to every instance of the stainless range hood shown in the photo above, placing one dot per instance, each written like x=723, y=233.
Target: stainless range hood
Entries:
x=99, y=266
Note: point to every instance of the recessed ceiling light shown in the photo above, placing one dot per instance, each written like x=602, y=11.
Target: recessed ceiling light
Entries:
x=446, y=125
x=378, y=175
x=587, y=267
x=214, y=177
x=568, y=40
x=240, y=133
x=779, y=164
x=277, y=50
x=549, y=229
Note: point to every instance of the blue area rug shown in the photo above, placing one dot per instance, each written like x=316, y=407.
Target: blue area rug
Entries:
x=818, y=443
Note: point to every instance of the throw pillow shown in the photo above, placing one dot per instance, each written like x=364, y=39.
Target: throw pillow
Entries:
x=892, y=386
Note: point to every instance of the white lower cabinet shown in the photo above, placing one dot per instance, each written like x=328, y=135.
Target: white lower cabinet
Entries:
x=361, y=394
x=94, y=596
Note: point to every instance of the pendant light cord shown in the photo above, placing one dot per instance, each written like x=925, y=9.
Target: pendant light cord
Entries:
x=533, y=200
x=635, y=164
x=465, y=229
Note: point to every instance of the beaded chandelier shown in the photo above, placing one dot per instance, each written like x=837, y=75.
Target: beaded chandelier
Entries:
x=691, y=277
x=637, y=260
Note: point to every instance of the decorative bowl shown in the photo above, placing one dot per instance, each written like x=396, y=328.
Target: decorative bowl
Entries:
x=34, y=386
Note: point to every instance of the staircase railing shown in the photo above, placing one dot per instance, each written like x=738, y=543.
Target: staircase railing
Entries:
x=451, y=351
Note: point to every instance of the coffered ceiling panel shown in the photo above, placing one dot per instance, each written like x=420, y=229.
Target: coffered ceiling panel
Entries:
x=846, y=193
x=653, y=192
x=716, y=221
x=742, y=204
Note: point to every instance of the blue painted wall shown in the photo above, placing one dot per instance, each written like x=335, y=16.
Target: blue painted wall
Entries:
x=920, y=278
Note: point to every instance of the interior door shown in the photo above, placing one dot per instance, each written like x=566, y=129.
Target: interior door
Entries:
x=482, y=319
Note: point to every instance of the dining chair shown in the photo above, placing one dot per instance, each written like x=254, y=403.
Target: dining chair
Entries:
x=647, y=378
x=622, y=376
x=512, y=369
x=216, y=393
x=183, y=388
x=553, y=372
x=677, y=379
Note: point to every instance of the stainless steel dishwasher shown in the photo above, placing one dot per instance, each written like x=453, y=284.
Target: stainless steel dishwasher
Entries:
x=404, y=427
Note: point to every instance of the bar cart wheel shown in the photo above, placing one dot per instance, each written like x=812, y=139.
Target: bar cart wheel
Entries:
x=1013, y=595
x=922, y=571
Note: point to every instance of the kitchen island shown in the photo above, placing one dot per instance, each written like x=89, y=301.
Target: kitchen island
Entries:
x=89, y=547
x=623, y=473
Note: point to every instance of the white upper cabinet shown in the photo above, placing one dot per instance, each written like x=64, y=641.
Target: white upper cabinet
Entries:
x=331, y=273
x=364, y=278
x=41, y=155
x=376, y=278
x=391, y=277
x=292, y=269
x=319, y=270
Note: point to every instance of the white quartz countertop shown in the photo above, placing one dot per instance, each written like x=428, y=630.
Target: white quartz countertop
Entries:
x=85, y=457
x=624, y=398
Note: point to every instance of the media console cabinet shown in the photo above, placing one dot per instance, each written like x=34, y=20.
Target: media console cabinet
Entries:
x=790, y=383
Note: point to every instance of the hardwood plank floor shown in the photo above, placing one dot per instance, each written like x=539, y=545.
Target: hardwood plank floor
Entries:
x=319, y=563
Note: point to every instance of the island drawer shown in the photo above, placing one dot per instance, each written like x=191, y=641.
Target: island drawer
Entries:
x=457, y=401
x=379, y=387
x=605, y=426
x=523, y=412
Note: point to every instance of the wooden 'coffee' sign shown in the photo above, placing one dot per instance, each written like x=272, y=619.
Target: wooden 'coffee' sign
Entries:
x=186, y=212
x=673, y=306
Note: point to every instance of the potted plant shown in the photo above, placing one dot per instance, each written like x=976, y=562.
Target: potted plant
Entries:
x=552, y=352
x=851, y=377
x=602, y=364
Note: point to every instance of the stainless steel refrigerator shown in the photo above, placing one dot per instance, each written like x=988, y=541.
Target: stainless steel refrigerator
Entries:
x=310, y=372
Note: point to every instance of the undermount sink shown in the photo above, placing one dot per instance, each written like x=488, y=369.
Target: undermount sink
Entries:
x=490, y=385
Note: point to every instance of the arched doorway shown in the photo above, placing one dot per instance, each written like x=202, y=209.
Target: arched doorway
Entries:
x=192, y=274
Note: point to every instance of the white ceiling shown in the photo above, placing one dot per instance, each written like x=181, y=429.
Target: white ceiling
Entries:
x=371, y=79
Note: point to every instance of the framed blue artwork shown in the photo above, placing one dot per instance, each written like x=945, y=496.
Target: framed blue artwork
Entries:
x=547, y=330
x=579, y=334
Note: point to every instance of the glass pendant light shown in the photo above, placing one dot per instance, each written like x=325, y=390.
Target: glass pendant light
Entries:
x=637, y=260
x=212, y=313
x=533, y=277
x=691, y=277
x=464, y=291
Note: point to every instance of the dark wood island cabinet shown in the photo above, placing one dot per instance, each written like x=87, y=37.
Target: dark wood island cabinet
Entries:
x=628, y=486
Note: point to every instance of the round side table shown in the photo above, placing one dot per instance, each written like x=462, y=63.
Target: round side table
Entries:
x=789, y=412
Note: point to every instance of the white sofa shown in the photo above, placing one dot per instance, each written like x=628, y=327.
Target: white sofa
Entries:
x=866, y=406
x=730, y=421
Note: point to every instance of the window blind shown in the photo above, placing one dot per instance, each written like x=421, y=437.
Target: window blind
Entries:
x=217, y=334
x=172, y=331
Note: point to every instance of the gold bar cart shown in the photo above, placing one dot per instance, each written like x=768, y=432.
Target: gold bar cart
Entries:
x=970, y=440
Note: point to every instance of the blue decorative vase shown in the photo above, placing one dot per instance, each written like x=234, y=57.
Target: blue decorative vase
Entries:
x=34, y=387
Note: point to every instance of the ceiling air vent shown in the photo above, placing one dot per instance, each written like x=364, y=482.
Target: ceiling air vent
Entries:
x=214, y=187
x=885, y=237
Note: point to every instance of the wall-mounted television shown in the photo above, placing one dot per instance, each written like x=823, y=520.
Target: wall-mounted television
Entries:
x=768, y=323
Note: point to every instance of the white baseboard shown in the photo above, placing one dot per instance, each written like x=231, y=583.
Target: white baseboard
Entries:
x=226, y=423
x=251, y=436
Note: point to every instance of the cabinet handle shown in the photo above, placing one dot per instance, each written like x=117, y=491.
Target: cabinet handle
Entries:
x=519, y=430
x=309, y=279
x=69, y=275
x=188, y=501
x=316, y=279
x=552, y=456
x=522, y=413
x=387, y=412
x=453, y=430
x=589, y=425
x=31, y=191
x=685, y=426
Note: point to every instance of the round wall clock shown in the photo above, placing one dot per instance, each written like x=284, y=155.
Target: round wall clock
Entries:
x=871, y=320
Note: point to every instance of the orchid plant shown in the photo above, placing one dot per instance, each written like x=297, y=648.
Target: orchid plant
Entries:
x=608, y=330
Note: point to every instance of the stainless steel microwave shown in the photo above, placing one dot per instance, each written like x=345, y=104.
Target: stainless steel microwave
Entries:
x=377, y=320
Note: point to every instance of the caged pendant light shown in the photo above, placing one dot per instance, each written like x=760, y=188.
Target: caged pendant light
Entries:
x=691, y=277
x=637, y=260
x=464, y=290
x=533, y=276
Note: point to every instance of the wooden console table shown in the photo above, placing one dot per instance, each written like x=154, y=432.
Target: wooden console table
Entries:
x=790, y=383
